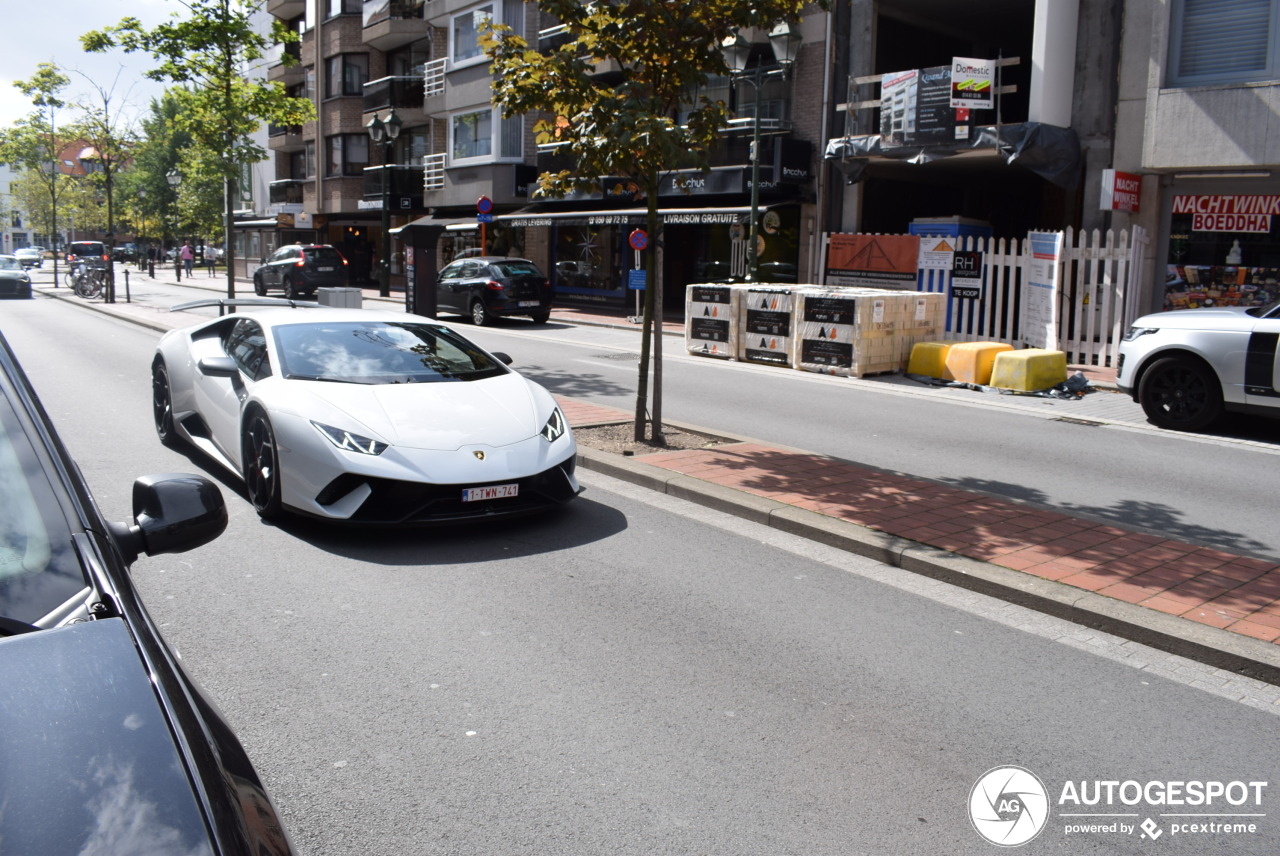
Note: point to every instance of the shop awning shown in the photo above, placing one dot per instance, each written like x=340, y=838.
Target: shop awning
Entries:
x=433, y=222
x=538, y=215
x=1049, y=151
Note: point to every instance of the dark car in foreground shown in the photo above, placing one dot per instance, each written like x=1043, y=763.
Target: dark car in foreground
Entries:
x=488, y=287
x=14, y=279
x=299, y=269
x=1186, y=367
x=107, y=745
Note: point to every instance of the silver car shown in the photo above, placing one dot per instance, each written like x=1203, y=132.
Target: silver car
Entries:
x=30, y=257
x=1188, y=366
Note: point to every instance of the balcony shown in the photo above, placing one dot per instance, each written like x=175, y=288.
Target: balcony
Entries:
x=404, y=186
x=402, y=92
x=286, y=10
x=284, y=64
x=284, y=139
x=389, y=24
x=287, y=191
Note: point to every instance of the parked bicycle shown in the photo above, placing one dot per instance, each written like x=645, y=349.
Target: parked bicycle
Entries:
x=87, y=282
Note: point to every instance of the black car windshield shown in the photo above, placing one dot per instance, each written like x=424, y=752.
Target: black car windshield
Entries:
x=39, y=569
x=378, y=352
x=514, y=268
x=323, y=255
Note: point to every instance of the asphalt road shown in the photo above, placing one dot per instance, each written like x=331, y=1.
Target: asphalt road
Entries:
x=634, y=675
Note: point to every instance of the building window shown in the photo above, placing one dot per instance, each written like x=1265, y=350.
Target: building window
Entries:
x=343, y=7
x=346, y=74
x=464, y=35
x=303, y=164
x=348, y=154
x=1223, y=41
x=308, y=83
x=476, y=135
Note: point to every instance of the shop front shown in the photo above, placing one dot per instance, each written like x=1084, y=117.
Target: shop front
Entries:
x=1222, y=242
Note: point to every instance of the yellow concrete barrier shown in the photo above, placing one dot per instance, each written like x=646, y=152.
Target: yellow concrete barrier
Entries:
x=972, y=362
x=1029, y=369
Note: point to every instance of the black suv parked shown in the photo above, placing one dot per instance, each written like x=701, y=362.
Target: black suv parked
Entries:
x=92, y=253
x=487, y=287
x=299, y=269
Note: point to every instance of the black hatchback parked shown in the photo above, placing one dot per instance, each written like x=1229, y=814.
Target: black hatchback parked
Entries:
x=488, y=287
x=299, y=269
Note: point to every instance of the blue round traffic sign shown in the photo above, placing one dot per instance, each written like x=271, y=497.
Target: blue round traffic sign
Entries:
x=639, y=239
x=484, y=205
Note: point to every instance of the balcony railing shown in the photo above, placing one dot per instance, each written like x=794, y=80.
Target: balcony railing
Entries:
x=287, y=191
x=376, y=11
x=433, y=171
x=405, y=92
x=433, y=76
x=402, y=180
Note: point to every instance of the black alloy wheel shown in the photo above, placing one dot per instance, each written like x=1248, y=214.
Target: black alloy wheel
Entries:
x=541, y=317
x=162, y=406
x=1180, y=393
x=259, y=287
x=261, y=465
x=479, y=314
x=290, y=290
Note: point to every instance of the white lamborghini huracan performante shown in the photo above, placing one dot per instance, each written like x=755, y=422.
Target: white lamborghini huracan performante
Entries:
x=365, y=416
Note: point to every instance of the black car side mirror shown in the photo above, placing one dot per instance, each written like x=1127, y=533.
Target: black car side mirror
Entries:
x=503, y=357
x=172, y=513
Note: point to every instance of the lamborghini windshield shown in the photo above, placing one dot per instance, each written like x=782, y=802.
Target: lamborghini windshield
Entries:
x=377, y=352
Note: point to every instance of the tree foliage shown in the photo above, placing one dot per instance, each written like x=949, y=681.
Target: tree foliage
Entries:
x=618, y=95
x=33, y=143
x=207, y=53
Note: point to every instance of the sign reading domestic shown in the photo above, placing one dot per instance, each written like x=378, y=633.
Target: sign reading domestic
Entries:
x=971, y=83
x=1225, y=213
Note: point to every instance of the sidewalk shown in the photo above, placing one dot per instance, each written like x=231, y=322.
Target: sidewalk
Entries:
x=1205, y=604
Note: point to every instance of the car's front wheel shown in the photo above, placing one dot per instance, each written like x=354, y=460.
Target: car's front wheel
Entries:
x=259, y=287
x=480, y=316
x=261, y=463
x=1180, y=393
x=162, y=406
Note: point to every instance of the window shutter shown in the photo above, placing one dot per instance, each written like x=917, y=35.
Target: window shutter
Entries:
x=1224, y=39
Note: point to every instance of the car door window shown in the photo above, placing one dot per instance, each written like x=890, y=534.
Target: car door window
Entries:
x=247, y=345
x=452, y=271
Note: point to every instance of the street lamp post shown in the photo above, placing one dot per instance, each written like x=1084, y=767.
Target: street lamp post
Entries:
x=785, y=43
x=384, y=132
x=175, y=178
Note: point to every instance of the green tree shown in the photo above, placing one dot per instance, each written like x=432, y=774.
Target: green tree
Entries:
x=110, y=143
x=205, y=52
x=638, y=121
x=32, y=143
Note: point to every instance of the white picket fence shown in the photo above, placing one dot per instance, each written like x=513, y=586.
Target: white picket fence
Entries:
x=1097, y=294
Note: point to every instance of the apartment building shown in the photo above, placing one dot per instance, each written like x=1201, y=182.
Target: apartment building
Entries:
x=1196, y=125
x=358, y=61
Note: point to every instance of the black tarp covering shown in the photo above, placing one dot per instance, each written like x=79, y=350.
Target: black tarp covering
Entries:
x=1050, y=152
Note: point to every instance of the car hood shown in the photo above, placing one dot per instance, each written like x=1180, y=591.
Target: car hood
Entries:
x=438, y=416
x=90, y=765
x=1213, y=318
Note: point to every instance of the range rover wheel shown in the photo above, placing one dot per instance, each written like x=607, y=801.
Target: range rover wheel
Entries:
x=1180, y=393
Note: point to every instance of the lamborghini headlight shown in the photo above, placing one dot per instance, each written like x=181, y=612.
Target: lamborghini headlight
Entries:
x=555, y=428
x=349, y=442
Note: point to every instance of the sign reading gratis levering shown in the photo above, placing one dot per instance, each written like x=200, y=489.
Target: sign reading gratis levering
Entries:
x=972, y=83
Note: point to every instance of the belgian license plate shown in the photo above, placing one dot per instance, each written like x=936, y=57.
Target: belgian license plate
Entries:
x=325, y=268
x=497, y=491
x=527, y=303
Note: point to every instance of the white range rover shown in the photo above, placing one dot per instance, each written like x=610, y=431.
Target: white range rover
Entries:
x=1188, y=366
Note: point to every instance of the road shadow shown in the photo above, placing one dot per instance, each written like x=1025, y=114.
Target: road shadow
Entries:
x=579, y=522
x=577, y=384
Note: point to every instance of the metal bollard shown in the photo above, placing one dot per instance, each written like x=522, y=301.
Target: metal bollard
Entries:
x=128, y=298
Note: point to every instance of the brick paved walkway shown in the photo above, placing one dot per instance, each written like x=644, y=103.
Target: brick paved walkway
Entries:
x=1212, y=587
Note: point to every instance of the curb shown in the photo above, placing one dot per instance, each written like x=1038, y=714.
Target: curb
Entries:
x=1209, y=645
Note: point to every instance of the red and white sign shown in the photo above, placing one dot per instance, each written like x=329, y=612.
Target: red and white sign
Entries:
x=1226, y=213
x=1120, y=190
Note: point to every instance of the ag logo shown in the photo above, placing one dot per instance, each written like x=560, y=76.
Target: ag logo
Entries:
x=1008, y=806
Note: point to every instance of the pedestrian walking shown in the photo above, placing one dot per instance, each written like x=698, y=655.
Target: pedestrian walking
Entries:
x=188, y=256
